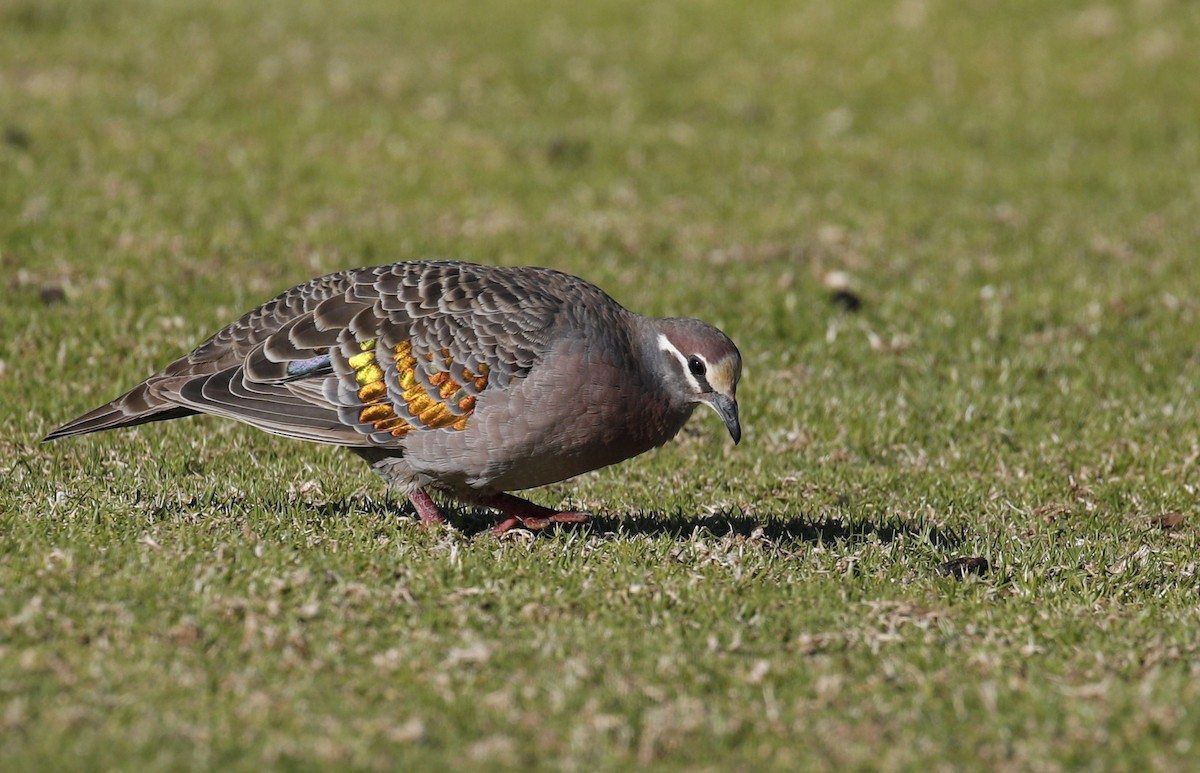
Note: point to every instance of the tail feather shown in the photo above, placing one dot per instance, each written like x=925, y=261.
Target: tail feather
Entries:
x=130, y=409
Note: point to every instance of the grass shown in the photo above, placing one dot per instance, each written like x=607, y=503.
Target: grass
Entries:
x=1010, y=188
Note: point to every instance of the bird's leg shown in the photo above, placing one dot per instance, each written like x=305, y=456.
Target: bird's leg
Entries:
x=426, y=508
x=521, y=512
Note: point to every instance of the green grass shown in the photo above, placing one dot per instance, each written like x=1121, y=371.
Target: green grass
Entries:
x=1012, y=188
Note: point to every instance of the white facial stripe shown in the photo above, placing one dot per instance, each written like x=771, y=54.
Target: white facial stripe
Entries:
x=665, y=344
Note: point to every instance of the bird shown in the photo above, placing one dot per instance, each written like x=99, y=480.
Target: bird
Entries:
x=451, y=379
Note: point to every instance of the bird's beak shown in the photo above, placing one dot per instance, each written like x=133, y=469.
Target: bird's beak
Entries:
x=727, y=408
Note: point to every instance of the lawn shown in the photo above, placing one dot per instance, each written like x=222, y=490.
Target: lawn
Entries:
x=1009, y=191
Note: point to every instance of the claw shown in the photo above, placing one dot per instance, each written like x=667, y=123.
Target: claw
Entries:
x=519, y=512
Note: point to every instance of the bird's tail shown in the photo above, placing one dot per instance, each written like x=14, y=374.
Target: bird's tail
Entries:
x=137, y=406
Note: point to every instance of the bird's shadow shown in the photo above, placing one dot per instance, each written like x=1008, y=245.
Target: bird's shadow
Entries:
x=777, y=528
x=774, y=528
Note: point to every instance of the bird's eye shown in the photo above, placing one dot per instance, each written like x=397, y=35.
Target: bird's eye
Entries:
x=696, y=366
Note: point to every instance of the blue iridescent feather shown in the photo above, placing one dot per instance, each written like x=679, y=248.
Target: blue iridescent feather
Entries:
x=308, y=367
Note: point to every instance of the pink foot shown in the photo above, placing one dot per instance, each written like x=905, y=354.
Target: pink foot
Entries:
x=426, y=508
x=519, y=512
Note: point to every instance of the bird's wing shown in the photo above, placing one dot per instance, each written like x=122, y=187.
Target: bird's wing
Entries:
x=364, y=357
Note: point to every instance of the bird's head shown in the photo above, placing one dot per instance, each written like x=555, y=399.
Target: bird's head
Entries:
x=702, y=366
